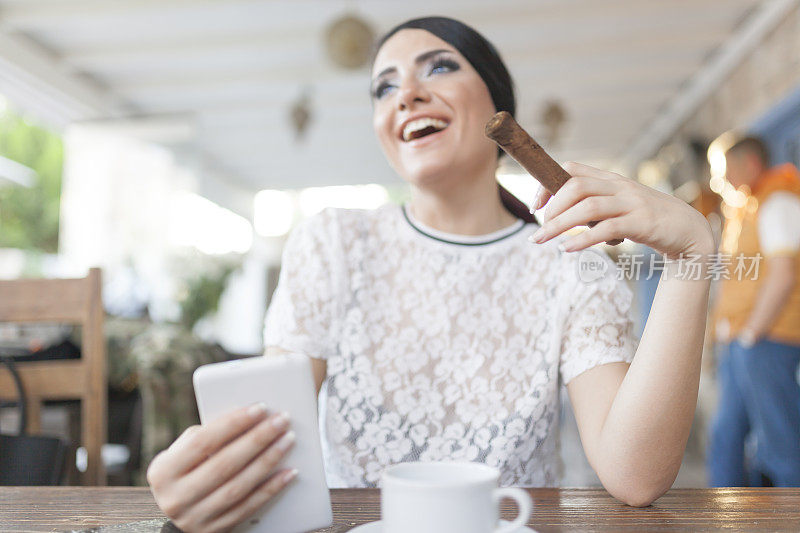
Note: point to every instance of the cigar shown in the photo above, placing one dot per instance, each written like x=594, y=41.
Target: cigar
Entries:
x=515, y=141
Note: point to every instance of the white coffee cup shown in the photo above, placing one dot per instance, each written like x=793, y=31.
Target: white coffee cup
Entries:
x=440, y=497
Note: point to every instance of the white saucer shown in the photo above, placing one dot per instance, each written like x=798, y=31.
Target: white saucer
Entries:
x=376, y=527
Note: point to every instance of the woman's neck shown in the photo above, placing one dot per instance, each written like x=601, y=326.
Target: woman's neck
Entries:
x=465, y=209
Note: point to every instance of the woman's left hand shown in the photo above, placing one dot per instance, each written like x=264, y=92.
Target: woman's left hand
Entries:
x=623, y=209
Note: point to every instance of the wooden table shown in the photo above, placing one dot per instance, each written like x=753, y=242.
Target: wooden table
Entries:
x=65, y=508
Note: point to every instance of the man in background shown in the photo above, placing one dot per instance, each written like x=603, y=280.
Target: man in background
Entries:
x=757, y=322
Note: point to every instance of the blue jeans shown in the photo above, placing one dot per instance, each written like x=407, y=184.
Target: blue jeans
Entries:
x=759, y=392
x=725, y=457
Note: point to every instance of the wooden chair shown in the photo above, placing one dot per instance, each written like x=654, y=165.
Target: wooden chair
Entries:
x=73, y=301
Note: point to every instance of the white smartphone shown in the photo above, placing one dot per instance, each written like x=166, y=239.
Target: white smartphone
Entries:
x=284, y=383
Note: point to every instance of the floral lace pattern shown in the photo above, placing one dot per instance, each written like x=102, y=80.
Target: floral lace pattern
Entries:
x=441, y=351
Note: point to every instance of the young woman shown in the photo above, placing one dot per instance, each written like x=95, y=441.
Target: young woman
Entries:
x=438, y=331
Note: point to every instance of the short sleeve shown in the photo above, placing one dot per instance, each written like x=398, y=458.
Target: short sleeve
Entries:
x=779, y=224
x=598, y=327
x=303, y=315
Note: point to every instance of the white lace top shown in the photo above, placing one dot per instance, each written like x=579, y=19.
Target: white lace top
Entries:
x=438, y=346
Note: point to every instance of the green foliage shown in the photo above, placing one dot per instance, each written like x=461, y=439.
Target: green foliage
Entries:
x=29, y=216
x=202, y=293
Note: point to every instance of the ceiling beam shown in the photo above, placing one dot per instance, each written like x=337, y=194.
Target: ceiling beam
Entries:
x=161, y=75
x=492, y=18
x=542, y=70
x=44, y=88
x=41, y=14
x=609, y=31
x=177, y=129
x=545, y=40
x=730, y=55
x=33, y=15
x=200, y=44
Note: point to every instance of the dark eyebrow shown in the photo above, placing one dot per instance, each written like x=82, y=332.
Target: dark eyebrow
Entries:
x=424, y=56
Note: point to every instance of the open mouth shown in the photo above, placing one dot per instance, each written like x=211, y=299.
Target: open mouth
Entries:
x=416, y=129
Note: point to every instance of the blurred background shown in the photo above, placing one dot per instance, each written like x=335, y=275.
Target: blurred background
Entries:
x=175, y=143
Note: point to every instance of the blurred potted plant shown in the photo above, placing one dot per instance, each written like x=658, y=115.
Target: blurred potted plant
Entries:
x=201, y=293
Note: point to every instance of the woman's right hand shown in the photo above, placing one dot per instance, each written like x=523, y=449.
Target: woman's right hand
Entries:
x=215, y=476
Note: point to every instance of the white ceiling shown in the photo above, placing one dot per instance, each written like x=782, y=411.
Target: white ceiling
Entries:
x=216, y=78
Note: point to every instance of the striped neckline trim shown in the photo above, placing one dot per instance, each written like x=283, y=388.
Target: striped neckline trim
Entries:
x=462, y=240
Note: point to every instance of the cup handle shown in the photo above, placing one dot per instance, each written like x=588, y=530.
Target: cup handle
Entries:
x=524, y=505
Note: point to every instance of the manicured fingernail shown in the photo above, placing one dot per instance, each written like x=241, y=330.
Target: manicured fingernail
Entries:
x=280, y=421
x=257, y=410
x=535, y=204
x=538, y=236
x=537, y=200
x=290, y=475
x=285, y=442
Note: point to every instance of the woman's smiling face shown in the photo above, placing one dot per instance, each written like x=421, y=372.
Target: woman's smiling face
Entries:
x=430, y=107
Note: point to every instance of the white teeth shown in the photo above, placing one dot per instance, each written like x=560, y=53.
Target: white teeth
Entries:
x=421, y=124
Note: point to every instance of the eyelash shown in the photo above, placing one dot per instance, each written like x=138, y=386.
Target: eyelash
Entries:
x=448, y=64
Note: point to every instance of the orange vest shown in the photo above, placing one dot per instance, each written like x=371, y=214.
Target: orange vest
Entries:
x=737, y=297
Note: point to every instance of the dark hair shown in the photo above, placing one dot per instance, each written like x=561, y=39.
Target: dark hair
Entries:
x=487, y=62
x=751, y=144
